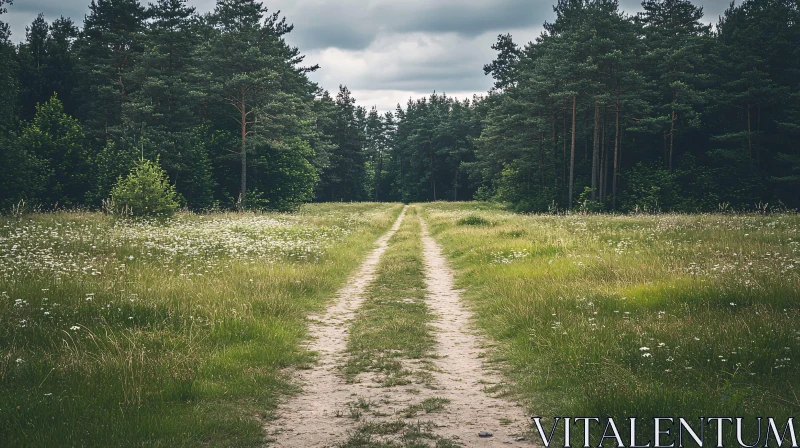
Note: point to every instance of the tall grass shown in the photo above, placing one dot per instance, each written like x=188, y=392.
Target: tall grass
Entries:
x=120, y=334
x=620, y=316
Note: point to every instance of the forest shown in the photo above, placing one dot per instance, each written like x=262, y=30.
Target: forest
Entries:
x=604, y=111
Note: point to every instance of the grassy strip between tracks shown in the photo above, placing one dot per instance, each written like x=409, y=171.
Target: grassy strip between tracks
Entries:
x=392, y=325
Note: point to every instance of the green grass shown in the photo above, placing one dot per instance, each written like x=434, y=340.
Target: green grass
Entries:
x=115, y=334
x=664, y=315
x=393, y=322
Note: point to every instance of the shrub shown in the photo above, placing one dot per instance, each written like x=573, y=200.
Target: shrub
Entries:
x=473, y=220
x=146, y=192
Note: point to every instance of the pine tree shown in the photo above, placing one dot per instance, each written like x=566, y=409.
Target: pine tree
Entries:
x=57, y=140
x=33, y=63
x=757, y=76
x=374, y=152
x=20, y=171
x=46, y=63
x=60, y=68
x=253, y=69
x=502, y=68
x=144, y=193
x=164, y=109
x=344, y=178
x=677, y=45
x=108, y=50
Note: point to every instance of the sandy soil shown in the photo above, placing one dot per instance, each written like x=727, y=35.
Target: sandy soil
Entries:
x=319, y=416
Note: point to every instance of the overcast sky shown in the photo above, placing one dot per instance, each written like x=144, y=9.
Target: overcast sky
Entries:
x=385, y=51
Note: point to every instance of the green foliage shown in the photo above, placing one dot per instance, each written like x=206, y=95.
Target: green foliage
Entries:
x=22, y=175
x=484, y=194
x=520, y=186
x=290, y=176
x=344, y=178
x=145, y=193
x=585, y=202
x=432, y=147
x=227, y=107
x=667, y=114
x=57, y=140
x=109, y=164
x=650, y=189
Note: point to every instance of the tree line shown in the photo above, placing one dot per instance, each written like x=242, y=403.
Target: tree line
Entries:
x=604, y=110
x=652, y=111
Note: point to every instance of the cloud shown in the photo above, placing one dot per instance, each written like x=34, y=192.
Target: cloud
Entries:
x=387, y=100
x=412, y=62
x=61, y=7
x=22, y=13
x=355, y=24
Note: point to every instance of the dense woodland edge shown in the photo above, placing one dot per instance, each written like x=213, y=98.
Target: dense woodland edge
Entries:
x=604, y=111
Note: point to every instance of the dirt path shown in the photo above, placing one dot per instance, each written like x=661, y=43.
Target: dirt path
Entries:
x=461, y=373
x=309, y=420
x=332, y=412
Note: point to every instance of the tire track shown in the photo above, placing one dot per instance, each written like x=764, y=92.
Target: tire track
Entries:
x=455, y=371
x=461, y=374
x=309, y=420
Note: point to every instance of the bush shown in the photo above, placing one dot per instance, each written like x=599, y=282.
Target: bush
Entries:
x=146, y=192
x=484, y=193
x=474, y=220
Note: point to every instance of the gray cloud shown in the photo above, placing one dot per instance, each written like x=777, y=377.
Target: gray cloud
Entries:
x=55, y=8
x=354, y=24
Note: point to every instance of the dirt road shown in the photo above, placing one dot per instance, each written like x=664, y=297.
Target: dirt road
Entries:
x=333, y=412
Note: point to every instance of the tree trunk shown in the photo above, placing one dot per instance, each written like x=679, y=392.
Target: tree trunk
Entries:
x=671, y=139
x=564, y=178
x=378, y=174
x=758, y=136
x=572, y=150
x=586, y=140
x=455, y=185
x=243, y=188
x=603, y=158
x=595, y=149
x=616, y=162
x=749, y=135
x=433, y=177
x=541, y=153
x=554, y=139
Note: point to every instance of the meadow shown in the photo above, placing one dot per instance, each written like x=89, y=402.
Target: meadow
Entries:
x=640, y=315
x=170, y=334
x=185, y=332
